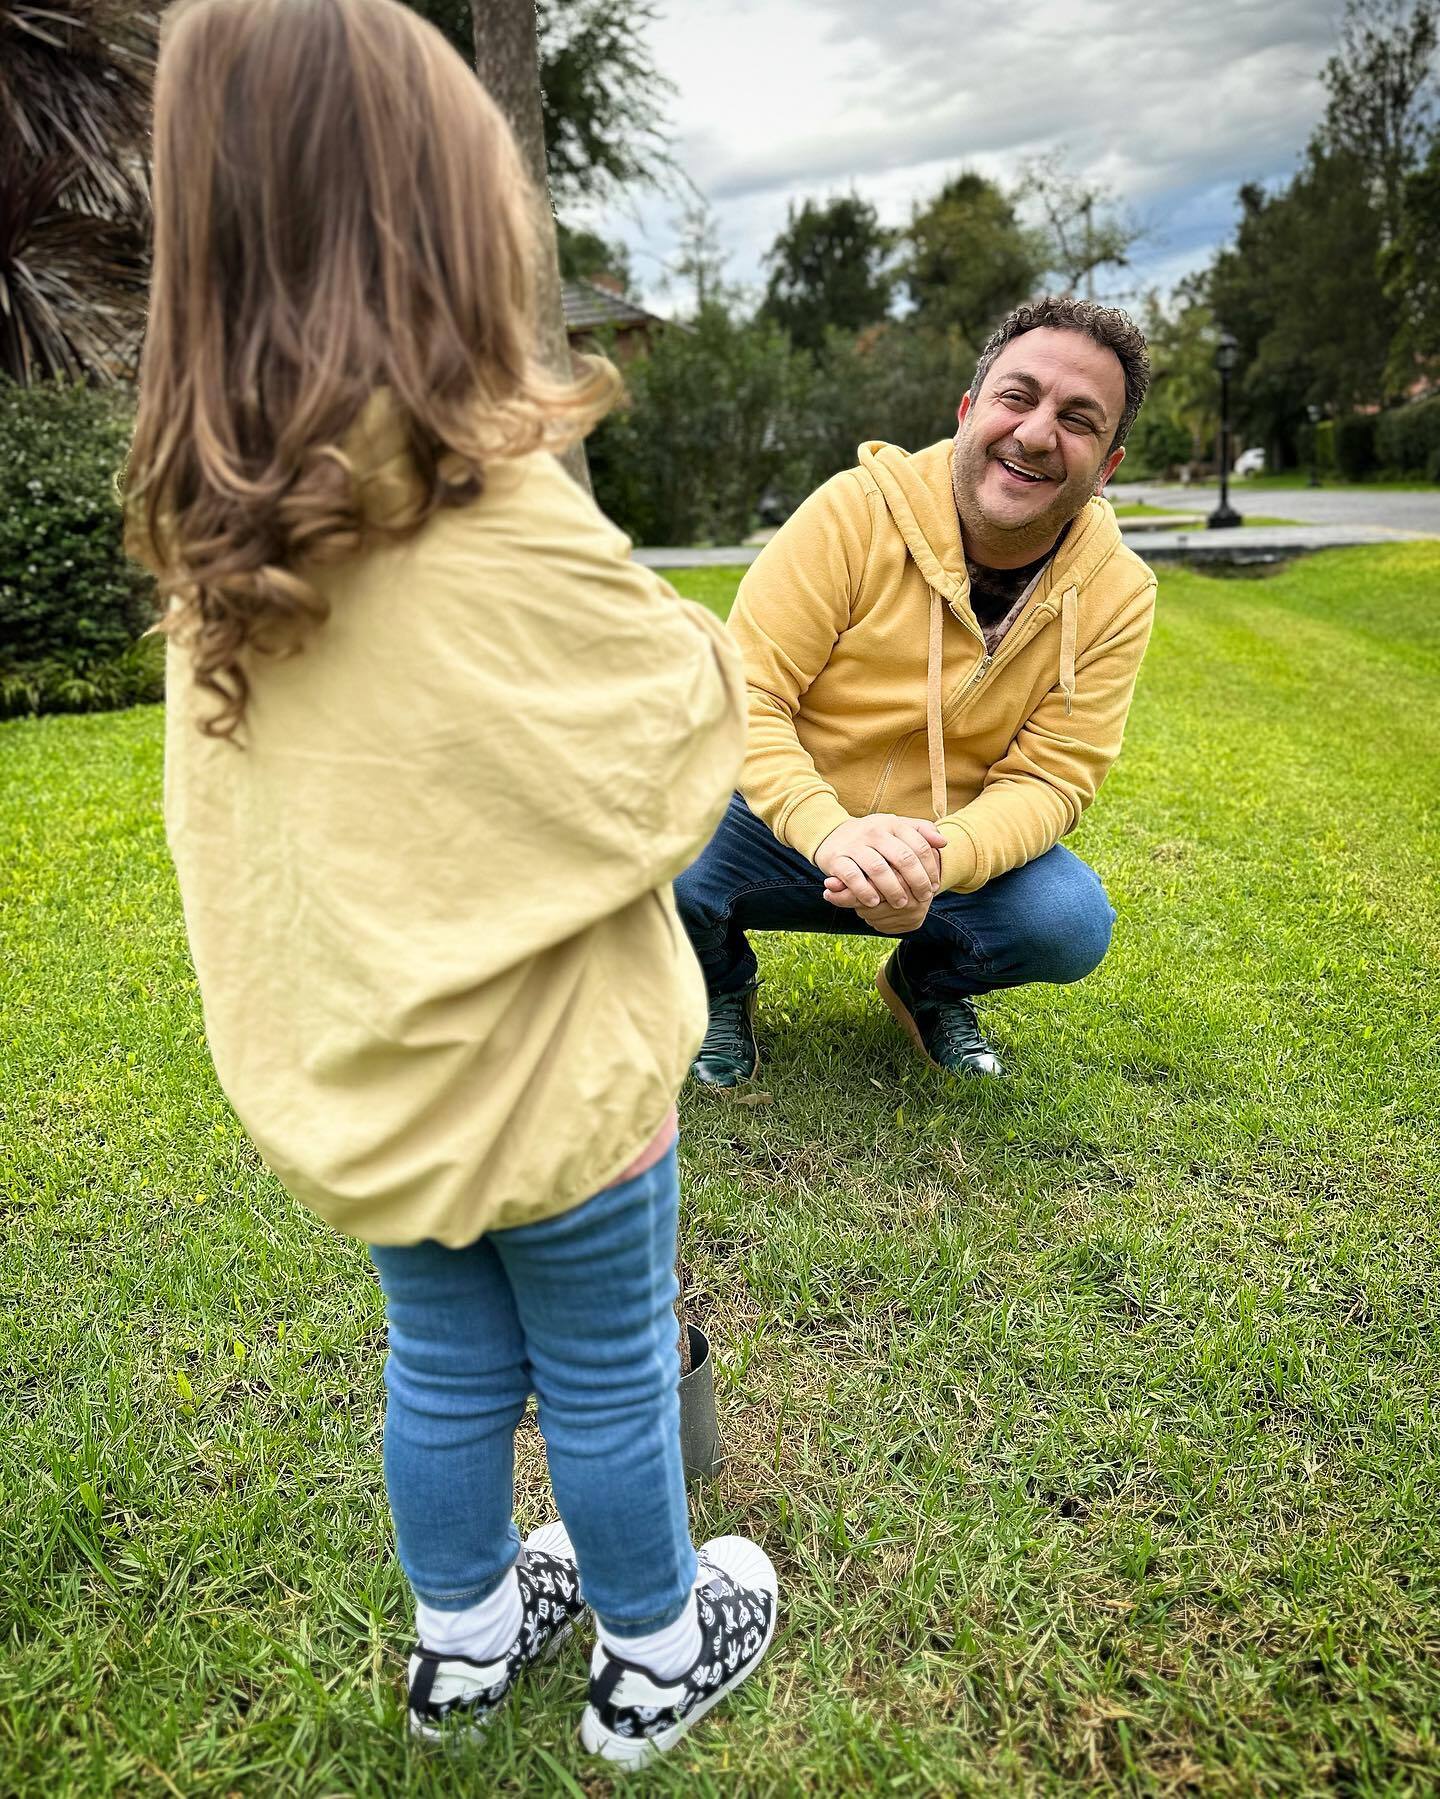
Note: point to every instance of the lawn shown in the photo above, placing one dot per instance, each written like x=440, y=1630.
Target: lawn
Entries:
x=1139, y=509
x=1091, y=1418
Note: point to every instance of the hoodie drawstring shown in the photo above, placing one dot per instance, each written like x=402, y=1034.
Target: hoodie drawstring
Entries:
x=1068, y=619
x=934, y=730
x=934, y=686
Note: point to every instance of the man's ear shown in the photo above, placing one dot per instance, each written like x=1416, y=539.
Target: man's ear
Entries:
x=962, y=411
x=1108, y=468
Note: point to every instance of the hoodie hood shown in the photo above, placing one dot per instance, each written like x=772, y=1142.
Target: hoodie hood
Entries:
x=920, y=496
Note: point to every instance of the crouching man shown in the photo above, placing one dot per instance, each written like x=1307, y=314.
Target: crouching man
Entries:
x=940, y=650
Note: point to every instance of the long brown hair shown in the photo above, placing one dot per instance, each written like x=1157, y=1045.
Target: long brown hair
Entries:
x=339, y=209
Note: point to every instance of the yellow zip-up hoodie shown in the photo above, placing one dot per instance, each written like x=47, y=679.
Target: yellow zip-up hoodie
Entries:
x=444, y=984
x=871, y=689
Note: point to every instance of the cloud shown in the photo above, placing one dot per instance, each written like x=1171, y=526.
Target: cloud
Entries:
x=1173, y=105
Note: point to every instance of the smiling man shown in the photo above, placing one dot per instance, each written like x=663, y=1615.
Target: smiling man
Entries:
x=940, y=650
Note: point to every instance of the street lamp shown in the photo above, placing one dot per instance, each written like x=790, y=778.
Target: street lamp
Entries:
x=1314, y=412
x=1227, y=354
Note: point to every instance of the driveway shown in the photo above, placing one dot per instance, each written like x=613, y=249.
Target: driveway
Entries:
x=1377, y=508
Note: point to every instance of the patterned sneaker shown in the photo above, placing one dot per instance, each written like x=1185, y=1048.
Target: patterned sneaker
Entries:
x=452, y=1695
x=632, y=1716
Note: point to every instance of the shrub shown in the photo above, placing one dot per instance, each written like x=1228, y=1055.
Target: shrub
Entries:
x=1156, y=446
x=705, y=434
x=1408, y=438
x=72, y=606
x=1355, y=445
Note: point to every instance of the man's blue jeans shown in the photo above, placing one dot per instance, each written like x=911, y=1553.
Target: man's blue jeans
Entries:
x=1047, y=921
x=578, y=1309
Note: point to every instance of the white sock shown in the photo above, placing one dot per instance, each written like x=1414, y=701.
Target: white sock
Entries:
x=483, y=1631
x=667, y=1653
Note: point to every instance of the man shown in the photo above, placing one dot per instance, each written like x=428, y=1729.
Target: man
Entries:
x=940, y=651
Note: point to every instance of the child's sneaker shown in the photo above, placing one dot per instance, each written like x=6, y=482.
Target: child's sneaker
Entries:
x=632, y=1716
x=452, y=1693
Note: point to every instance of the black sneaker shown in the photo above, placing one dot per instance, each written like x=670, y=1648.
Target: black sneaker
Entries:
x=632, y=1716
x=945, y=1031
x=729, y=1054
x=452, y=1695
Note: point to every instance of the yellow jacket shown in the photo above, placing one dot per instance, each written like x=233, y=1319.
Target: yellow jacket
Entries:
x=870, y=688
x=444, y=984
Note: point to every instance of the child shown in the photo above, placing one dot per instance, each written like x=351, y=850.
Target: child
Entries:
x=435, y=749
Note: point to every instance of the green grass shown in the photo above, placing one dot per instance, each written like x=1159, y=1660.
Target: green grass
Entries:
x=1091, y=1419
x=1292, y=478
x=1140, y=510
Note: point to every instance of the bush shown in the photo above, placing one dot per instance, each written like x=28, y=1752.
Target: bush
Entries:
x=1157, y=446
x=72, y=606
x=705, y=434
x=727, y=414
x=1408, y=439
x=1355, y=454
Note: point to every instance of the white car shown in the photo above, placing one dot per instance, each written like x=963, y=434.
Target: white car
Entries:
x=1250, y=462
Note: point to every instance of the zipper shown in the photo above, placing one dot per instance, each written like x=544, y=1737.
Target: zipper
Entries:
x=1013, y=644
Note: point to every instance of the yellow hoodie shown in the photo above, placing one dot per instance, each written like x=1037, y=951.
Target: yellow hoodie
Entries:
x=871, y=689
x=444, y=984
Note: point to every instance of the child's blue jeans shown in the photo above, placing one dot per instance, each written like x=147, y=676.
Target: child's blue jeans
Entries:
x=579, y=1310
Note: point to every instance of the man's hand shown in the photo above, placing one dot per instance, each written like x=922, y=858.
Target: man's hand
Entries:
x=882, y=860
x=889, y=921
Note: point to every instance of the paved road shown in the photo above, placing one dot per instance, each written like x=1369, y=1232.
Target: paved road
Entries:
x=1380, y=508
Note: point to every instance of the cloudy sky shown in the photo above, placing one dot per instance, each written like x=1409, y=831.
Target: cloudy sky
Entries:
x=1173, y=103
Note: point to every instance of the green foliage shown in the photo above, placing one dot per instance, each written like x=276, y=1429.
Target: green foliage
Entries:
x=74, y=202
x=704, y=435
x=585, y=254
x=601, y=93
x=1381, y=86
x=1185, y=393
x=1156, y=445
x=1355, y=448
x=827, y=270
x=71, y=604
x=1407, y=439
x=726, y=413
x=1411, y=267
x=970, y=260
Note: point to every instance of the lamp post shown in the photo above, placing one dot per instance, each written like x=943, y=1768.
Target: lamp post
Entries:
x=1227, y=353
x=1314, y=412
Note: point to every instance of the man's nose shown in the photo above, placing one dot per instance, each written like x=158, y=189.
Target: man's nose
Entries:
x=1036, y=434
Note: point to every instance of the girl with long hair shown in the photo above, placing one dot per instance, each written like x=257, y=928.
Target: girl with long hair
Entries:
x=435, y=749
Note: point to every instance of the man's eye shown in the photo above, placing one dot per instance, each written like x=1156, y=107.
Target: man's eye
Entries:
x=1077, y=421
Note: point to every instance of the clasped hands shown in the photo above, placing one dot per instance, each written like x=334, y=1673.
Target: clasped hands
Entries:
x=884, y=866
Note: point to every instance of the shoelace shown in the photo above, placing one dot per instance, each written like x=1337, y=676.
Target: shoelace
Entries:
x=958, y=1028
x=726, y=1034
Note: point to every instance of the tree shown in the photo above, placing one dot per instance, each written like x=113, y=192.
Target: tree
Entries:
x=602, y=98
x=827, y=270
x=1184, y=394
x=969, y=259
x=1382, y=93
x=1411, y=268
x=1082, y=230
x=585, y=256
x=1307, y=254
x=698, y=258
x=75, y=79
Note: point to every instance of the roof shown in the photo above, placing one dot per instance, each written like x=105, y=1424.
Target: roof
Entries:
x=587, y=306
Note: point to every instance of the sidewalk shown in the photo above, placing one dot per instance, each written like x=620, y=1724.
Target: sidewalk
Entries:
x=1243, y=543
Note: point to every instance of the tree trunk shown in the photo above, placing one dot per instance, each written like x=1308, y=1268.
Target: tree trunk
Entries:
x=507, y=59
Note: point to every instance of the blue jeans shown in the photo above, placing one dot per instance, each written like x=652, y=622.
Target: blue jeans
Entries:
x=1047, y=921
x=578, y=1309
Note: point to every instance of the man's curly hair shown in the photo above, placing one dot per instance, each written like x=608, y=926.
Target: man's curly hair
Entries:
x=1107, y=326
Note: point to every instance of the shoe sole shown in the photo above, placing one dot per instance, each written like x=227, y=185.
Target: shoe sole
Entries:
x=750, y=1568
x=552, y=1539
x=902, y=1017
x=727, y=1086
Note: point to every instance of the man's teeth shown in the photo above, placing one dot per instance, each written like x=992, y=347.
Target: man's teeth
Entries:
x=1023, y=473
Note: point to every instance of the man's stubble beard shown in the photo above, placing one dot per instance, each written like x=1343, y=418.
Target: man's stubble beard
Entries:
x=968, y=470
